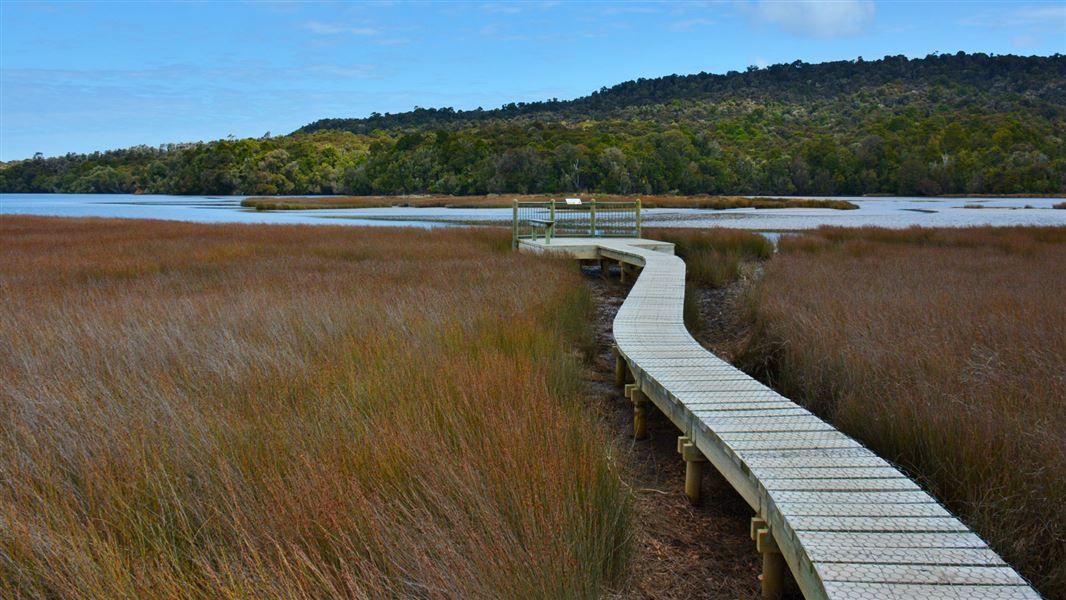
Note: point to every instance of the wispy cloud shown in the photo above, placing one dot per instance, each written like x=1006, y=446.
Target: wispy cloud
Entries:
x=323, y=28
x=632, y=8
x=1029, y=24
x=502, y=32
x=690, y=24
x=513, y=8
x=1025, y=41
x=505, y=8
x=1050, y=16
x=181, y=76
x=815, y=19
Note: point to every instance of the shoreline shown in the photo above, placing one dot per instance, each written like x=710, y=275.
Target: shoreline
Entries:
x=706, y=202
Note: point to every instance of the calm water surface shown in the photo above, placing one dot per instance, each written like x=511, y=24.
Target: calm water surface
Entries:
x=885, y=212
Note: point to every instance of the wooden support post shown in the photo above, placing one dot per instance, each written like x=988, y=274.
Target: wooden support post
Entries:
x=619, y=368
x=622, y=272
x=694, y=461
x=640, y=410
x=773, y=563
x=604, y=268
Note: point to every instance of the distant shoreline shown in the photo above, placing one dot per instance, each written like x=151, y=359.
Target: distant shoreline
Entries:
x=504, y=201
x=989, y=196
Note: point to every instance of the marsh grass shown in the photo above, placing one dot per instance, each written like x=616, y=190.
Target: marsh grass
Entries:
x=205, y=411
x=713, y=257
x=504, y=201
x=943, y=350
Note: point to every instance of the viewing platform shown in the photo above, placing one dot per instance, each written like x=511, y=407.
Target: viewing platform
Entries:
x=848, y=524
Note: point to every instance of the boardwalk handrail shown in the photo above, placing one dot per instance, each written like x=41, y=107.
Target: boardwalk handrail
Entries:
x=848, y=524
x=593, y=218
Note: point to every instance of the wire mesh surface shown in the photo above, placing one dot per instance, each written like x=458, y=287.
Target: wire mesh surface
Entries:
x=534, y=220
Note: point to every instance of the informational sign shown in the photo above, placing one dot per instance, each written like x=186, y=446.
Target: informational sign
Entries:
x=573, y=200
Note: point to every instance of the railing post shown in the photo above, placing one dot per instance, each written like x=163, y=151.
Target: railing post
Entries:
x=638, y=217
x=514, y=225
x=552, y=219
x=592, y=219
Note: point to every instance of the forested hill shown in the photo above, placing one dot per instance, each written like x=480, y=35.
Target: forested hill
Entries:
x=1039, y=78
x=938, y=125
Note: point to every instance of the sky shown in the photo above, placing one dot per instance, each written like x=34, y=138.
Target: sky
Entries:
x=86, y=76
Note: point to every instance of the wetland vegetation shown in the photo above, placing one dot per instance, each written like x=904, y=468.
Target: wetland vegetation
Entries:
x=943, y=350
x=228, y=411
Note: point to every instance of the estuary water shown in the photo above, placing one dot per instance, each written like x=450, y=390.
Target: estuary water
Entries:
x=880, y=211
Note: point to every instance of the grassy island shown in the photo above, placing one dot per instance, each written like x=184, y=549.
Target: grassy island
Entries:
x=504, y=201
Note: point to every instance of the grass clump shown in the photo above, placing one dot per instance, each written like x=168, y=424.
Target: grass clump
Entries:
x=297, y=412
x=1061, y=205
x=945, y=351
x=714, y=257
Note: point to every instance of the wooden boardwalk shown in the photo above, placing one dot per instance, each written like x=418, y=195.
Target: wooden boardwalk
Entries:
x=847, y=523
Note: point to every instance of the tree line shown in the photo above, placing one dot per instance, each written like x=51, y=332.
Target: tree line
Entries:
x=951, y=124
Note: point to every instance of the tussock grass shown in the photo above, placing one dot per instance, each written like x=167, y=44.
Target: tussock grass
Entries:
x=713, y=257
x=203, y=411
x=504, y=201
x=944, y=350
x=1059, y=205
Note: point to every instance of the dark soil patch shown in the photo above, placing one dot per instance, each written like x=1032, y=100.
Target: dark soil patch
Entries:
x=722, y=328
x=680, y=551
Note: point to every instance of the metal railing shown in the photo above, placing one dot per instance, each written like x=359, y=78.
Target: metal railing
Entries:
x=553, y=218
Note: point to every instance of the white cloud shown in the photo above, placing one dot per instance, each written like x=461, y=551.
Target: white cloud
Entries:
x=818, y=19
x=320, y=28
x=343, y=71
x=690, y=24
x=1051, y=16
x=1035, y=15
x=1025, y=41
x=513, y=8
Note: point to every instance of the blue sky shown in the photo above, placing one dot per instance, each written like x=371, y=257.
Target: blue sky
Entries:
x=86, y=76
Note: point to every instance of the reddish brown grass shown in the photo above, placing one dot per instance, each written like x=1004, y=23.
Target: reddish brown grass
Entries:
x=944, y=350
x=203, y=411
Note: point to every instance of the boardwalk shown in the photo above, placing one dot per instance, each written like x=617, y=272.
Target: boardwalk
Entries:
x=847, y=523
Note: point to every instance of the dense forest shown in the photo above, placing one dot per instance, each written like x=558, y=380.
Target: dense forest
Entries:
x=944, y=124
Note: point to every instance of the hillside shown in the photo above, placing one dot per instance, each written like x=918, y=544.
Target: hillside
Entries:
x=944, y=124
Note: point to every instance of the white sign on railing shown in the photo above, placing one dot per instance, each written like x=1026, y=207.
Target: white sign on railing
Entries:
x=573, y=200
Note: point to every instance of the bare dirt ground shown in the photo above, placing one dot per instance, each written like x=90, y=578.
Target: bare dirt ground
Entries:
x=681, y=551
x=722, y=329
